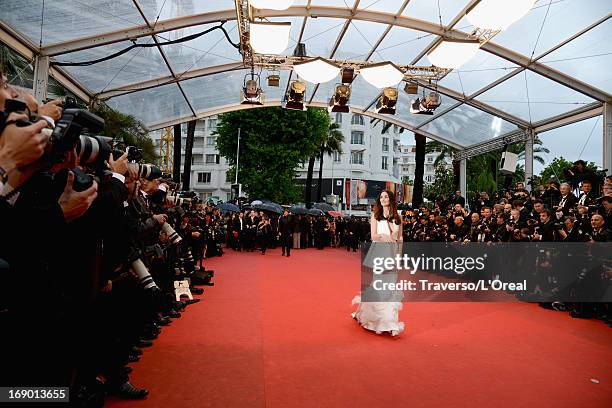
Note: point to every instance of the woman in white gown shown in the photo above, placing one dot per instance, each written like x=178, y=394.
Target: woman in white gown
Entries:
x=385, y=226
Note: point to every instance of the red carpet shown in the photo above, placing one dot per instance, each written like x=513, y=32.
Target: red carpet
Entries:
x=276, y=332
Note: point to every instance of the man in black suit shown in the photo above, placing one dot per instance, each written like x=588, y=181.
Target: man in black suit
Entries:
x=285, y=229
x=240, y=228
x=567, y=201
x=458, y=199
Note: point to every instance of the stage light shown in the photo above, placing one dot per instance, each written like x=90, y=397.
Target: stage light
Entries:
x=453, y=54
x=381, y=75
x=271, y=4
x=387, y=101
x=498, y=14
x=316, y=70
x=427, y=105
x=269, y=38
x=295, y=96
x=273, y=80
x=340, y=98
x=411, y=89
x=251, y=93
x=347, y=74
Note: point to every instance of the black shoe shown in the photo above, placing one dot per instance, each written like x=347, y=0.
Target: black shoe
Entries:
x=578, y=315
x=197, y=291
x=135, y=350
x=164, y=321
x=143, y=343
x=128, y=391
x=127, y=370
x=192, y=301
x=174, y=314
x=149, y=336
x=133, y=358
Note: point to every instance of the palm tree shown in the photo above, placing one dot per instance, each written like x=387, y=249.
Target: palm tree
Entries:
x=332, y=145
x=538, y=147
x=445, y=151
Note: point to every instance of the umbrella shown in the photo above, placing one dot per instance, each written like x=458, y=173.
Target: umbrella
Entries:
x=324, y=207
x=298, y=209
x=227, y=207
x=272, y=207
x=256, y=202
x=315, y=211
x=335, y=213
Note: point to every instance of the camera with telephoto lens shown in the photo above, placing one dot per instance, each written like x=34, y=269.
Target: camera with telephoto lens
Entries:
x=145, y=171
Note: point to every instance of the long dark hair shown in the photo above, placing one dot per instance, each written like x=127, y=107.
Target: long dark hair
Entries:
x=378, y=208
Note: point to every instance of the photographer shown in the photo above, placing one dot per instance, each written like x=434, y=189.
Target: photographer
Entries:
x=545, y=231
x=567, y=201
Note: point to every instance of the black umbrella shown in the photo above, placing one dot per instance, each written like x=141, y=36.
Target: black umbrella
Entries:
x=298, y=209
x=272, y=207
x=316, y=211
x=227, y=207
x=324, y=207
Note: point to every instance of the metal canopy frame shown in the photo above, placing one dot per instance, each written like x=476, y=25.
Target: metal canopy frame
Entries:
x=27, y=49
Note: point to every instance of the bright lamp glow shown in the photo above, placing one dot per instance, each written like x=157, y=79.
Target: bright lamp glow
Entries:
x=271, y=4
x=382, y=75
x=269, y=38
x=452, y=54
x=317, y=70
x=498, y=14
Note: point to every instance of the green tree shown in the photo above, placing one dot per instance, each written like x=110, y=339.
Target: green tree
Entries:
x=273, y=142
x=333, y=144
x=443, y=184
x=407, y=181
x=126, y=129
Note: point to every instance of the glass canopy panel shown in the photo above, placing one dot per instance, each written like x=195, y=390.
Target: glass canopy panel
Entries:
x=401, y=45
x=136, y=65
x=537, y=99
x=588, y=58
x=387, y=6
x=478, y=72
x=178, y=8
x=428, y=10
x=320, y=35
x=65, y=20
x=466, y=125
x=564, y=19
x=151, y=106
x=362, y=92
x=333, y=3
x=207, y=50
x=359, y=39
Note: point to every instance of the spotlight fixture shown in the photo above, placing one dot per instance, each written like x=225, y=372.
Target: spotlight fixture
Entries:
x=498, y=15
x=295, y=96
x=316, y=70
x=347, y=74
x=251, y=92
x=411, y=89
x=269, y=37
x=273, y=80
x=427, y=105
x=340, y=98
x=271, y=4
x=386, y=102
x=381, y=75
x=453, y=54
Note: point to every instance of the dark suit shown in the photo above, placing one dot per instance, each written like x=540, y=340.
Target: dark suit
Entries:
x=285, y=228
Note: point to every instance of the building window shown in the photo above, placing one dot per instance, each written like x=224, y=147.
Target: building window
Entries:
x=429, y=179
x=338, y=118
x=204, y=178
x=429, y=159
x=356, y=137
x=212, y=124
x=357, y=157
x=357, y=120
x=205, y=196
x=198, y=142
x=429, y=168
x=385, y=144
x=210, y=141
x=396, y=129
x=337, y=157
x=212, y=159
x=385, y=163
x=228, y=177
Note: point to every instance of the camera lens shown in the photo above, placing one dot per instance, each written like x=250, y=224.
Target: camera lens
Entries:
x=93, y=149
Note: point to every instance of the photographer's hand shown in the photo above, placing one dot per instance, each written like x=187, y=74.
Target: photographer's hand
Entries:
x=74, y=204
x=120, y=165
x=20, y=146
x=160, y=218
x=52, y=109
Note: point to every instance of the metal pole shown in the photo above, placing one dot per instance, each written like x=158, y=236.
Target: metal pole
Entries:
x=529, y=158
x=237, y=155
x=41, y=77
x=463, y=178
x=607, y=137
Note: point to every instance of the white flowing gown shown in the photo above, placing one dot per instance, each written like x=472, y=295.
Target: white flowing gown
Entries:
x=381, y=316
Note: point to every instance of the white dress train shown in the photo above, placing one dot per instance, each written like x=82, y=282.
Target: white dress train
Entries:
x=381, y=316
